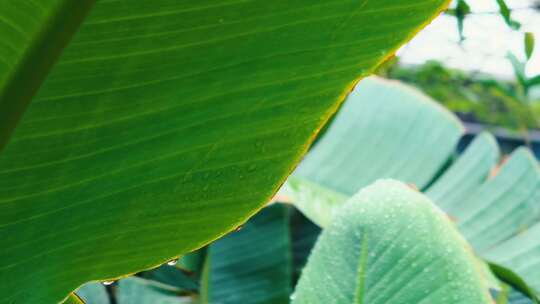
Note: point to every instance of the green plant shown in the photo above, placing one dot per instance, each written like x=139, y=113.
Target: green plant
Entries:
x=525, y=83
x=478, y=96
x=132, y=132
x=498, y=215
x=462, y=9
x=386, y=243
x=255, y=264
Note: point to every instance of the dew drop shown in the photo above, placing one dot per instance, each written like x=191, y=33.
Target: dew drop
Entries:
x=172, y=262
x=107, y=283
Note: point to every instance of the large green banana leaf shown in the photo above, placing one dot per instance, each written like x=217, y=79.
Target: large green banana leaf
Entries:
x=498, y=215
x=158, y=126
x=390, y=244
x=32, y=36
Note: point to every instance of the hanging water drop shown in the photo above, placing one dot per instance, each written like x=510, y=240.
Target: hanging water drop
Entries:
x=107, y=283
x=172, y=262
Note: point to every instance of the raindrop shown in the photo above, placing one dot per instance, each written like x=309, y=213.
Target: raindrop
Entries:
x=107, y=283
x=172, y=262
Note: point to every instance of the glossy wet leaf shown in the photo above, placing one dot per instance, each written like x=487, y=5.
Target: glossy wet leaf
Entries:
x=165, y=124
x=389, y=244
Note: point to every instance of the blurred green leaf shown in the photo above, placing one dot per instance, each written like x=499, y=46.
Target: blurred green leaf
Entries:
x=93, y=293
x=462, y=10
x=193, y=261
x=513, y=280
x=355, y=150
x=138, y=291
x=529, y=44
x=506, y=14
x=534, y=81
x=253, y=265
x=389, y=244
x=173, y=277
x=465, y=174
x=477, y=97
x=304, y=234
x=316, y=202
x=519, y=69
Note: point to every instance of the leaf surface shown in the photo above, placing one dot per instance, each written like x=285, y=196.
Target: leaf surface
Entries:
x=138, y=291
x=495, y=207
x=34, y=34
x=389, y=244
x=383, y=130
x=164, y=124
x=252, y=265
x=93, y=293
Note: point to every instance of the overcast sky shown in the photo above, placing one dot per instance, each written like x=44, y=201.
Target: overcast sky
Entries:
x=488, y=40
